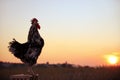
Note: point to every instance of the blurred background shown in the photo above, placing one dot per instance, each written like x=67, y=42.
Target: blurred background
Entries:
x=81, y=32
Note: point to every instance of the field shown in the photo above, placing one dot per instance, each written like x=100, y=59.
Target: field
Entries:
x=62, y=72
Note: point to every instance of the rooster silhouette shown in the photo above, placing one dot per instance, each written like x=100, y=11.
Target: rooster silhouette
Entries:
x=29, y=51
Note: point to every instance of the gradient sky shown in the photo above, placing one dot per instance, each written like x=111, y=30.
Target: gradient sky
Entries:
x=77, y=31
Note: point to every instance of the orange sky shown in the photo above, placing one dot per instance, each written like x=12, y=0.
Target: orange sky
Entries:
x=79, y=32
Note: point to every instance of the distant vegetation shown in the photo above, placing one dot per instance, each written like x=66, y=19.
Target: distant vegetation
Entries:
x=62, y=71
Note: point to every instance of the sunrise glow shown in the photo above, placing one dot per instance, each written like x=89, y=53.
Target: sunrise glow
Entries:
x=112, y=59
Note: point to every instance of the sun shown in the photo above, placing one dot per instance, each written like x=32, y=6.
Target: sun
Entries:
x=112, y=59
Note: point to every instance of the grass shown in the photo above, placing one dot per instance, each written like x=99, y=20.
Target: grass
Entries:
x=62, y=72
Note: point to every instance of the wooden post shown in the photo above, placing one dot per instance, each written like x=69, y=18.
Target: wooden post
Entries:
x=24, y=77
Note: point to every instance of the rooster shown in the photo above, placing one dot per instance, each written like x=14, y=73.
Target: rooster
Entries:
x=29, y=51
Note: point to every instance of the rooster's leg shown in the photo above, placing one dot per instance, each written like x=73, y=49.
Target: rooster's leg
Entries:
x=30, y=70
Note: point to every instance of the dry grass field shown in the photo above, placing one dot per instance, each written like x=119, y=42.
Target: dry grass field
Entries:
x=62, y=72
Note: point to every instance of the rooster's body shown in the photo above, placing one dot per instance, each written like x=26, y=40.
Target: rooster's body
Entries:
x=29, y=51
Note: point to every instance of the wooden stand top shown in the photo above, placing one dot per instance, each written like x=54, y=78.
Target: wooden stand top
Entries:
x=24, y=77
